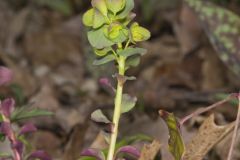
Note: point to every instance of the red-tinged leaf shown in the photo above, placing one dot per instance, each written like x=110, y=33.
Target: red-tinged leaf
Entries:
x=27, y=128
x=107, y=83
x=7, y=107
x=5, y=128
x=98, y=116
x=6, y=75
x=39, y=155
x=175, y=142
x=91, y=152
x=101, y=120
x=18, y=146
x=128, y=103
x=128, y=150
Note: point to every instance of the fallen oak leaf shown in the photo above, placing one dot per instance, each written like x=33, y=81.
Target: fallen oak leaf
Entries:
x=207, y=137
x=150, y=151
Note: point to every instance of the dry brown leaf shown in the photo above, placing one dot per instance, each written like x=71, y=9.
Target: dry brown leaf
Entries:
x=100, y=141
x=208, y=135
x=75, y=142
x=150, y=151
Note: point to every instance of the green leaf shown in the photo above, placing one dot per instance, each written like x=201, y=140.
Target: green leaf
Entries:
x=129, y=6
x=97, y=38
x=98, y=116
x=98, y=19
x=101, y=6
x=131, y=78
x=133, y=139
x=223, y=29
x=103, y=122
x=116, y=5
x=116, y=32
x=113, y=30
x=123, y=35
x=133, y=61
x=175, y=142
x=5, y=155
x=88, y=17
x=132, y=51
x=1, y=118
x=26, y=143
x=2, y=137
x=19, y=94
x=128, y=103
x=87, y=158
x=102, y=52
x=104, y=60
x=25, y=113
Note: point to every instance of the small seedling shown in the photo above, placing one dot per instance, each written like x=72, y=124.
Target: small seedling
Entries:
x=9, y=115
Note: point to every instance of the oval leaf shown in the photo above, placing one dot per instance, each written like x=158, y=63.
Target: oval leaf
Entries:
x=91, y=152
x=88, y=17
x=98, y=19
x=39, y=155
x=133, y=61
x=98, y=116
x=128, y=103
x=97, y=38
x=129, y=6
x=132, y=51
x=27, y=128
x=104, y=60
x=128, y=150
x=116, y=5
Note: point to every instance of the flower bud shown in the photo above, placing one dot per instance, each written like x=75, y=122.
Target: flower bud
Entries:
x=114, y=30
x=116, y=5
x=102, y=52
x=101, y=6
x=139, y=33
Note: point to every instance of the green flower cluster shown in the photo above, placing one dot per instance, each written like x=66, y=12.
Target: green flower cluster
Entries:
x=110, y=25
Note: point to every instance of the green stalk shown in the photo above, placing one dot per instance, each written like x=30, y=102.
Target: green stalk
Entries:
x=117, y=109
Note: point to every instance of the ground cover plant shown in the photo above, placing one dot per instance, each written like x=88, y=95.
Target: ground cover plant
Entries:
x=115, y=38
x=21, y=148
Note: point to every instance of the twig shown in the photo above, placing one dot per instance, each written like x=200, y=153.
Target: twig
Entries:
x=200, y=111
x=234, y=137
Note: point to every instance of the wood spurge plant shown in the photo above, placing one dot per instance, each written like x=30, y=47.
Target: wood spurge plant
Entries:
x=113, y=37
